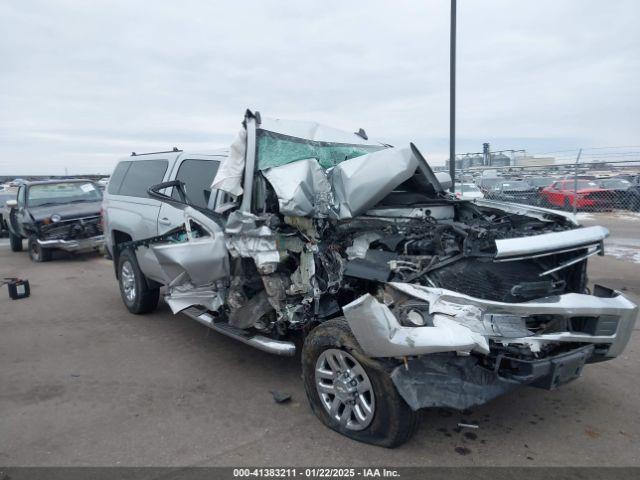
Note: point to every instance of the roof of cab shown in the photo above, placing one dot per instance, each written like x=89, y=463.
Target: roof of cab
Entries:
x=59, y=180
x=164, y=155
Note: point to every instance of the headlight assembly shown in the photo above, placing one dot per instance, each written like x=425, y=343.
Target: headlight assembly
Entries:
x=415, y=317
x=413, y=314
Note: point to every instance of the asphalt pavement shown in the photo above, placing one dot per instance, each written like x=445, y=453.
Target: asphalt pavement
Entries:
x=83, y=382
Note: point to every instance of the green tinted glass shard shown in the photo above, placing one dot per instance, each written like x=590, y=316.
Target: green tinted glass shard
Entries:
x=274, y=149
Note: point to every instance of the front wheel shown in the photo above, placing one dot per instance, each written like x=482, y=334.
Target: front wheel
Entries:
x=352, y=393
x=16, y=242
x=37, y=253
x=134, y=287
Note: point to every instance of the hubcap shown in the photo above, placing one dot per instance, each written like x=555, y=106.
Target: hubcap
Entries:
x=344, y=388
x=128, y=281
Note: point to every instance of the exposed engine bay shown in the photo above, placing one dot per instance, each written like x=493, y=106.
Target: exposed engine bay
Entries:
x=456, y=252
x=320, y=265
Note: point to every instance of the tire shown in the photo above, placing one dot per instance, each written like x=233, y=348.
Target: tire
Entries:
x=567, y=205
x=134, y=286
x=391, y=422
x=16, y=242
x=37, y=253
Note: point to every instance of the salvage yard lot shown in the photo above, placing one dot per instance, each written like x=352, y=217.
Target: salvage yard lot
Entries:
x=83, y=382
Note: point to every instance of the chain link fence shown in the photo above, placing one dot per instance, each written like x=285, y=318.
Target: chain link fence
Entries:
x=585, y=185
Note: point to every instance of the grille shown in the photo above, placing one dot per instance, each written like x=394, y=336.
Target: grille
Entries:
x=602, y=325
x=73, y=229
x=488, y=280
x=605, y=325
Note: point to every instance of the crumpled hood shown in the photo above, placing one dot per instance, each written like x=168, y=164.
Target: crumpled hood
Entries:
x=67, y=211
x=347, y=190
x=319, y=171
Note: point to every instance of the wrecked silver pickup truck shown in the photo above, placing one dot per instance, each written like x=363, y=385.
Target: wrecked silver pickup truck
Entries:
x=404, y=296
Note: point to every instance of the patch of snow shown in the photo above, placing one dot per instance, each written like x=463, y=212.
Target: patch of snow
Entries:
x=629, y=216
x=583, y=216
x=623, y=252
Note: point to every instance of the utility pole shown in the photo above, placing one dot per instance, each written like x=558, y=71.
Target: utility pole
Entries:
x=452, y=98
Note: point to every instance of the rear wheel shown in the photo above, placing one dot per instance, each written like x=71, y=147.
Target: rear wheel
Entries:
x=134, y=286
x=16, y=242
x=352, y=393
x=37, y=253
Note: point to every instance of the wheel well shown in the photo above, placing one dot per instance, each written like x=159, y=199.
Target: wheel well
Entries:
x=118, y=238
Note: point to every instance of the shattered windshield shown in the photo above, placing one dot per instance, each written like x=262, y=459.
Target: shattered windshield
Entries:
x=276, y=149
x=63, y=192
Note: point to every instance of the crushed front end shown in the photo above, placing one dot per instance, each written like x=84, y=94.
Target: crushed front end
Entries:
x=71, y=234
x=463, y=351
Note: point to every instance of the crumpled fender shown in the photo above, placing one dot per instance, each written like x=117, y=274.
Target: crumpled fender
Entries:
x=380, y=334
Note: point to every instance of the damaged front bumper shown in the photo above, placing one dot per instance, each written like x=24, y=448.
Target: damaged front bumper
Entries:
x=76, y=245
x=461, y=382
x=446, y=358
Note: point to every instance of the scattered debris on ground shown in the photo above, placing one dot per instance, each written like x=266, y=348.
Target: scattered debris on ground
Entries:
x=280, y=397
x=467, y=425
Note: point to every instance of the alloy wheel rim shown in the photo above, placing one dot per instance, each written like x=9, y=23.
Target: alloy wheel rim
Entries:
x=345, y=391
x=128, y=280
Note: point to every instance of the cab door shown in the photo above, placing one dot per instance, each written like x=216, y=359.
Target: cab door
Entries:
x=195, y=261
x=18, y=215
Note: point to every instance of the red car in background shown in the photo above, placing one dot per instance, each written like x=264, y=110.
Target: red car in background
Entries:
x=587, y=194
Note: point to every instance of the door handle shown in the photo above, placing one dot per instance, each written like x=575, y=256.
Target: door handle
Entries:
x=164, y=221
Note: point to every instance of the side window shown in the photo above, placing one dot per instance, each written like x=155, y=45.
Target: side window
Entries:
x=21, y=196
x=141, y=175
x=116, y=178
x=197, y=176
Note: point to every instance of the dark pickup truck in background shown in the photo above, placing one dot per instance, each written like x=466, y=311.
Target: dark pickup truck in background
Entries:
x=518, y=191
x=55, y=214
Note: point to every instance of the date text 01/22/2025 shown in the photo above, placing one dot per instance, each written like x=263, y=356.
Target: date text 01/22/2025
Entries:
x=315, y=472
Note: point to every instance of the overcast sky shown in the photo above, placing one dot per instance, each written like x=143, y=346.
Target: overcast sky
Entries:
x=83, y=83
